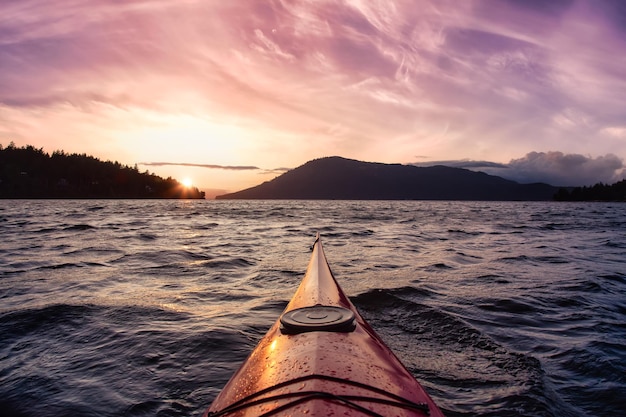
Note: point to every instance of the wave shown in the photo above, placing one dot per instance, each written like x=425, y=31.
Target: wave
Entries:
x=79, y=227
x=462, y=359
x=71, y=265
x=100, y=356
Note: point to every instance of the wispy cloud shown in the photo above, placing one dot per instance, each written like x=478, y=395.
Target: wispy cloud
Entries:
x=277, y=171
x=209, y=166
x=463, y=163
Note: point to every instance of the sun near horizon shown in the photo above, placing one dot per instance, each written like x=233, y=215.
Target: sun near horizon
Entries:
x=187, y=182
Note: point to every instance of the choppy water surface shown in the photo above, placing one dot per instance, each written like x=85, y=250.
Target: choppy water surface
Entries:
x=144, y=308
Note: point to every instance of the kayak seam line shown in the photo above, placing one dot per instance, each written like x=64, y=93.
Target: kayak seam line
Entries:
x=348, y=400
x=323, y=395
x=398, y=401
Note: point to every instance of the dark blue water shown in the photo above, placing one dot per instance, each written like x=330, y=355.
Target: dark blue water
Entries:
x=146, y=308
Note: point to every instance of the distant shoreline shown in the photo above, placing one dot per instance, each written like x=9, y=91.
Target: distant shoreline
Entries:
x=30, y=173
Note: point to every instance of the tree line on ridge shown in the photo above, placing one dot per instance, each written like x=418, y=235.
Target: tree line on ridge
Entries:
x=598, y=192
x=28, y=172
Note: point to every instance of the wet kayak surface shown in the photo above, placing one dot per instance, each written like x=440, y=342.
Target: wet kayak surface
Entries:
x=321, y=358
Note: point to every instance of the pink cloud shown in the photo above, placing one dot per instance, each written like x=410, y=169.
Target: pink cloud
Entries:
x=377, y=80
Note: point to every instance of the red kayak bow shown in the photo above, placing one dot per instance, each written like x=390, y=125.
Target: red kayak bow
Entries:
x=321, y=359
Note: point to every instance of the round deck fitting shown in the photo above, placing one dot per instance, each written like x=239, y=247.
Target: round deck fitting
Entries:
x=318, y=318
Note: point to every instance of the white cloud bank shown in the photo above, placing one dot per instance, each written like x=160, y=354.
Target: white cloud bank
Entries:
x=555, y=168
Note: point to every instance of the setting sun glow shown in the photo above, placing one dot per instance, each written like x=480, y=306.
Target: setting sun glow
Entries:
x=187, y=182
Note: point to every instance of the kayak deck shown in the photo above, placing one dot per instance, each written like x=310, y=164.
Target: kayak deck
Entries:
x=321, y=358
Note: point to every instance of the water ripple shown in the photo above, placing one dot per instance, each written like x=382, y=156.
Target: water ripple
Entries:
x=499, y=308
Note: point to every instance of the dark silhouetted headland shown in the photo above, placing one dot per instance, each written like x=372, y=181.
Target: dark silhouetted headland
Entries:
x=346, y=179
x=31, y=173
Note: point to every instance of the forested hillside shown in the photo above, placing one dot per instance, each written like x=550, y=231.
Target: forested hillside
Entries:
x=27, y=172
x=598, y=192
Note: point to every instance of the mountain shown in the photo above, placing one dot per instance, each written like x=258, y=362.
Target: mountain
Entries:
x=346, y=179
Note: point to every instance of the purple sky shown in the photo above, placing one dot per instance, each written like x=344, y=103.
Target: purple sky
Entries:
x=228, y=92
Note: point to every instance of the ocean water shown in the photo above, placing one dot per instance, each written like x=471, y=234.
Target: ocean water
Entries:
x=146, y=308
